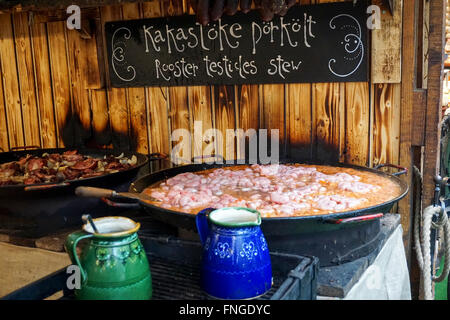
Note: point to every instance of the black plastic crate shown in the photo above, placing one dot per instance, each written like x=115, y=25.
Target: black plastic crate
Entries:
x=174, y=266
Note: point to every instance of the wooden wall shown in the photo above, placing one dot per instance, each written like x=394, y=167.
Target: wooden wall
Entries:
x=53, y=93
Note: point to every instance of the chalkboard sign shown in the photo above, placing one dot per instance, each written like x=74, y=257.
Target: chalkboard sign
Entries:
x=316, y=43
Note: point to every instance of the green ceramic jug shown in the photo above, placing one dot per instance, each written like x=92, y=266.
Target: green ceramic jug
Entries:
x=113, y=263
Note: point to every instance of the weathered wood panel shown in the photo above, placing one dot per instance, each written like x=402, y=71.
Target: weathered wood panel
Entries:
x=225, y=119
x=386, y=127
x=100, y=117
x=202, y=118
x=299, y=117
x=386, y=53
x=11, y=82
x=248, y=118
x=434, y=97
x=136, y=97
x=314, y=121
x=273, y=112
x=328, y=125
x=407, y=102
x=309, y=117
x=158, y=121
x=299, y=121
x=30, y=116
x=157, y=100
x=117, y=98
x=43, y=84
x=328, y=106
x=59, y=71
x=179, y=110
x=357, y=129
x=78, y=52
x=4, y=141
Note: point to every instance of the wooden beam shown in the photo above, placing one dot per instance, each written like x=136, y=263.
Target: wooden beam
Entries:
x=420, y=107
x=40, y=5
x=407, y=89
x=434, y=97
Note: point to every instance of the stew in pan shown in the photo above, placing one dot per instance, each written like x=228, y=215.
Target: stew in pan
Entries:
x=275, y=190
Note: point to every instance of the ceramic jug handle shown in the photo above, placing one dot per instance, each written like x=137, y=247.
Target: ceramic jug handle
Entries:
x=201, y=220
x=71, y=248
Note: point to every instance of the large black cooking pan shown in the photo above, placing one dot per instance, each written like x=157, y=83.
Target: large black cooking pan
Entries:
x=288, y=225
x=335, y=238
x=51, y=206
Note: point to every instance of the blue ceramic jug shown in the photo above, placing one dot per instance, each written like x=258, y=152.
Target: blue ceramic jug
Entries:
x=235, y=261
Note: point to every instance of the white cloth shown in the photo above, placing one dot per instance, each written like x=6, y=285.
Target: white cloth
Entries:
x=387, y=278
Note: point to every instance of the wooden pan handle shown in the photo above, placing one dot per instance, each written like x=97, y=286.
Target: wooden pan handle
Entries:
x=94, y=192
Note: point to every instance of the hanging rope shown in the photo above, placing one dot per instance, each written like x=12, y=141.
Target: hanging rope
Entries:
x=423, y=223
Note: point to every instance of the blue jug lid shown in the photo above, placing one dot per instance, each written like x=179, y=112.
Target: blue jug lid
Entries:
x=235, y=217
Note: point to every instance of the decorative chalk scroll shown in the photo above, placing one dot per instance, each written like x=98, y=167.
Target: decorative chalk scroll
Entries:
x=315, y=43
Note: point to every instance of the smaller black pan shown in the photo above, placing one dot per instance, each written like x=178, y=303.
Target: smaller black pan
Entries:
x=47, y=207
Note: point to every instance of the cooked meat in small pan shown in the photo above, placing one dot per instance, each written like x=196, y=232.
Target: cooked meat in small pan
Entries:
x=55, y=167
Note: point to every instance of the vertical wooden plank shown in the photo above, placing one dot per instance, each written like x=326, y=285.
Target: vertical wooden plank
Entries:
x=328, y=117
x=387, y=44
x=408, y=65
x=30, y=116
x=157, y=99
x=78, y=52
x=138, y=120
x=44, y=93
x=101, y=124
x=202, y=112
x=299, y=121
x=248, y=117
x=117, y=99
x=180, y=118
x=434, y=98
x=10, y=82
x=425, y=48
x=357, y=123
x=299, y=117
x=179, y=112
x=225, y=118
x=152, y=9
x=136, y=98
x=95, y=71
x=158, y=121
x=386, y=126
x=273, y=112
x=100, y=117
x=61, y=83
x=4, y=141
x=328, y=112
x=200, y=104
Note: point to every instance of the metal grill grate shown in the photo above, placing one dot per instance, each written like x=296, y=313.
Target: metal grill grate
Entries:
x=176, y=281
